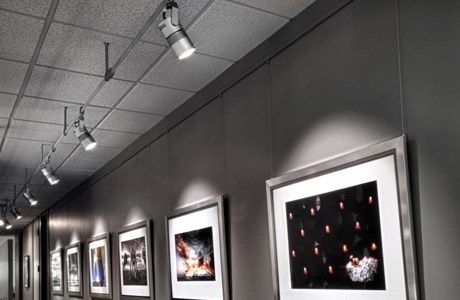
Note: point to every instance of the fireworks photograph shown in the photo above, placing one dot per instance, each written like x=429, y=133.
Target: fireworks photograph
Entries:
x=98, y=268
x=195, y=255
x=335, y=240
x=133, y=261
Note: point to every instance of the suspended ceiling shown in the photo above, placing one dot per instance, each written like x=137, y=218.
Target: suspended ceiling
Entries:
x=149, y=83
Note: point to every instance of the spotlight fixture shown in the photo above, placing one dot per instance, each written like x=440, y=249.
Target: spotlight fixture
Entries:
x=84, y=137
x=2, y=223
x=29, y=197
x=49, y=174
x=16, y=213
x=174, y=33
x=7, y=224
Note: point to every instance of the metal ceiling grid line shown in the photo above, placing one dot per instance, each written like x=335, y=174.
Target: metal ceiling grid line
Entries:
x=14, y=60
x=30, y=69
x=259, y=9
x=21, y=13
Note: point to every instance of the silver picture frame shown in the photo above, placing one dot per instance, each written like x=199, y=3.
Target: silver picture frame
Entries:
x=53, y=291
x=149, y=242
x=78, y=246
x=395, y=147
x=216, y=201
x=104, y=236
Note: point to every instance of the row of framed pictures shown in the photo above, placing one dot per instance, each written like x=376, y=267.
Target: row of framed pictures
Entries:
x=196, y=249
x=340, y=229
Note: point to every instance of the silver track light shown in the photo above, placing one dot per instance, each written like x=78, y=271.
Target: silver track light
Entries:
x=49, y=174
x=85, y=138
x=29, y=197
x=4, y=222
x=174, y=33
x=16, y=213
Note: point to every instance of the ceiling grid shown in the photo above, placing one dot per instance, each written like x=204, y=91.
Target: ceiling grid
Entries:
x=52, y=56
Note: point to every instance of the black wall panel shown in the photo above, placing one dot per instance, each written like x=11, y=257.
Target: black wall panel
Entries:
x=430, y=43
x=336, y=89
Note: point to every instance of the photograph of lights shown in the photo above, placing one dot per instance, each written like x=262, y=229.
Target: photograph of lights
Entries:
x=99, y=260
x=342, y=229
x=335, y=240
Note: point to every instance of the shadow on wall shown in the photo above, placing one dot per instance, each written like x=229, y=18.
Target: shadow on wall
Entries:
x=334, y=136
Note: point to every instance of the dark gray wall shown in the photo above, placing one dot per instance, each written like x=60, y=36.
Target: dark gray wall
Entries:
x=375, y=70
x=6, y=270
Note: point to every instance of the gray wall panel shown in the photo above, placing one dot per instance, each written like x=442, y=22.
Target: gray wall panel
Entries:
x=430, y=32
x=247, y=150
x=337, y=88
x=196, y=156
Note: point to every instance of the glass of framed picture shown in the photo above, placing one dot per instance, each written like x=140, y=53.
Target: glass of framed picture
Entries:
x=56, y=273
x=100, y=277
x=73, y=270
x=342, y=229
x=135, y=259
x=26, y=271
x=197, y=251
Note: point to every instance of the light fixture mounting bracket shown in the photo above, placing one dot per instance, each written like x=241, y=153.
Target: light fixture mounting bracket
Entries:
x=109, y=72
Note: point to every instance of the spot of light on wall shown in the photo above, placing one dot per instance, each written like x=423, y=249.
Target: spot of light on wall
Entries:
x=99, y=226
x=136, y=214
x=332, y=136
x=196, y=191
x=74, y=237
x=58, y=244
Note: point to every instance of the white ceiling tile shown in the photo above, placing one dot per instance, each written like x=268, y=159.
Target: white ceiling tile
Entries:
x=188, y=11
x=6, y=104
x=128, y=121
x=114, y=139
x=190, y=74
x=230, y=30
x=18, y=36
x=38, y=131
x=11, y=76
x=138, y=60
x=154, y=99
x=36, y=8
x=288, y=8
x=78, y=49
x=90, y=160
x=30, y=154
x=61, y=85
x=124, y=17
x=40, y=110
x=111, y=92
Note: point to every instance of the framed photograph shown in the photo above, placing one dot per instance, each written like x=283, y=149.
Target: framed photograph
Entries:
x=197, y=251
x=73, y=270
x=56, y=273
x=26, y=271
x=342, y=229
x=100, y=277
x=135, y=259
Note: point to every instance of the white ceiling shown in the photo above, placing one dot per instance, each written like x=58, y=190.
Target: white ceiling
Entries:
x=149, y=83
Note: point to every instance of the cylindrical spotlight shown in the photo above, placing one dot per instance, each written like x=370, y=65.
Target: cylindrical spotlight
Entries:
x=16, y=213
x=85, y=138
x=50, y=175
x=8, y=225
x=29, y=197
x=2, y=223
x=177, y=38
